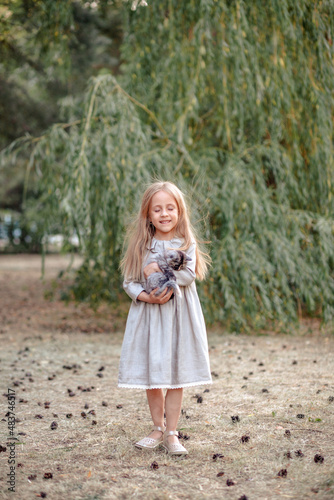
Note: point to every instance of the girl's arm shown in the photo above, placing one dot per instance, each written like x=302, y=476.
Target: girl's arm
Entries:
x=187, y=275
x=150, y=269
x=137, y=293
x=133, y=289
x=151, y=298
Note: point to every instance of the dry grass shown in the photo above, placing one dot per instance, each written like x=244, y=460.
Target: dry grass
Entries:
x=99, y=461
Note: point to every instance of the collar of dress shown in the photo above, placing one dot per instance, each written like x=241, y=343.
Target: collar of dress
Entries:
x=159, y=245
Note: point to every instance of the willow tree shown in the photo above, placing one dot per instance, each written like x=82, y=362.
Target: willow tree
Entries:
x=234, y=102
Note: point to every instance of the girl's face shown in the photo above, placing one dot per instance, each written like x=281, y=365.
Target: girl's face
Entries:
x=163, y=214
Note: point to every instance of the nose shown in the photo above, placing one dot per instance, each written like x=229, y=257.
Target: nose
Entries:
x=164, y=212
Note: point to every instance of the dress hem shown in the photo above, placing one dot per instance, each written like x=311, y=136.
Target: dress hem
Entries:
x=162, y=386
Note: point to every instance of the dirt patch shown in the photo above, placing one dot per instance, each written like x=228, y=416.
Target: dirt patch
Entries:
x=62, y=363
x=30, y=303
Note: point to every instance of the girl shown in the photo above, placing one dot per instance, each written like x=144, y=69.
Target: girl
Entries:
x=165, y=344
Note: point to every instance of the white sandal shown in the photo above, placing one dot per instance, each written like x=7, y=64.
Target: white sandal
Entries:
x=148, y=443
x=173, y=448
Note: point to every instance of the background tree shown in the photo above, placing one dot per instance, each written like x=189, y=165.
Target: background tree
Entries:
x=233, y=101
x=48, y=50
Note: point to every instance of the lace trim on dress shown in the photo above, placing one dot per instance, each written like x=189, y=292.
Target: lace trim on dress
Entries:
x=162, y=386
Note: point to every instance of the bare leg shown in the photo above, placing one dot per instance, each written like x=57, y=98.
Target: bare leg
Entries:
x=156, y=402
x=173, y=402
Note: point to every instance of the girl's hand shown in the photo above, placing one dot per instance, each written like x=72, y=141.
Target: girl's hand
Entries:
x=155, y=299
x=162, y=298
x=150, y=269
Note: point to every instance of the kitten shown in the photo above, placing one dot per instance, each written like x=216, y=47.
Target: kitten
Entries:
x=171, y=260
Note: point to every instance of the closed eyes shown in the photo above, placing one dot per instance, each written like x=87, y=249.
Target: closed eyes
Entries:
x=169, y=208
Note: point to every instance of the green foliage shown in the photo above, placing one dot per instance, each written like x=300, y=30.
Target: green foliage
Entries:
x=89, y=180
x=48, y=50
x=233, y=102
x=247, y=101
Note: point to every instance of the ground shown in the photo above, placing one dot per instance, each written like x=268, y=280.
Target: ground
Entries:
x=72, y=422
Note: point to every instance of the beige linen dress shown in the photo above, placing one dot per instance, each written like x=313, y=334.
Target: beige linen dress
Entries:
x=165, y=346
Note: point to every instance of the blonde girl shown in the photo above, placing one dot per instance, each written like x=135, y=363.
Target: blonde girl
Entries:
x=165, y=343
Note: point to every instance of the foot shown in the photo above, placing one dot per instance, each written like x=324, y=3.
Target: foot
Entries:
x=173, y=439
x=155, y=434
x=172, y=444
x=153, y=440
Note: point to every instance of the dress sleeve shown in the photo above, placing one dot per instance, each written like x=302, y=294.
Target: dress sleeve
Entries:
x=187, y=275
x=133, y=289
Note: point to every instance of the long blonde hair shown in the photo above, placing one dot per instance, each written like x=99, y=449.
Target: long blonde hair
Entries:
x=140, y=233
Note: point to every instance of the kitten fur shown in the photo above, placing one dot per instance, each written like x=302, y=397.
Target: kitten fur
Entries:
x=169, y=261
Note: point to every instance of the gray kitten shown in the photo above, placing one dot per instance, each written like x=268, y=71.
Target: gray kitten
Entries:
x=168, y=261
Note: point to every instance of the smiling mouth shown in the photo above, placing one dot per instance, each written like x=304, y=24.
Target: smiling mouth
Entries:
x=164, y=221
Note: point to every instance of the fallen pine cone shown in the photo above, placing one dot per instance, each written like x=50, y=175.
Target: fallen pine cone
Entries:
x=283, y=473
x=183, y=436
